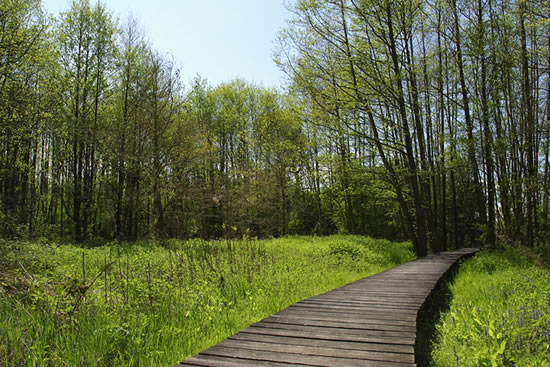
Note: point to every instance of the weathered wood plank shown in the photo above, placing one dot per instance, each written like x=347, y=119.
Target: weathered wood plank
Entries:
x=367, y=323
x=338, y=330
x=366, y=300
x=330, y=335
x=343, y=315
x=351, y=345
x=404, y=293
x=370, y=322
x=327, y=335
x=332, y=317
x=209, y=360
x=356, y=309
x=366, y=309
x=311, y=360
x=318, y=351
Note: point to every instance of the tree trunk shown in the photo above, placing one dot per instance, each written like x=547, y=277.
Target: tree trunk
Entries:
x=530, y=177
x=488, y=137
x=478, y=193
x=421, y=244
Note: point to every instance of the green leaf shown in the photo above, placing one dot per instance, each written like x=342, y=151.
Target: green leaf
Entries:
x=502, y=347
x=59, y=288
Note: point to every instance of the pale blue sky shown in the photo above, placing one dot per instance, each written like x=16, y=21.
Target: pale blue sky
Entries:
x=218, y=39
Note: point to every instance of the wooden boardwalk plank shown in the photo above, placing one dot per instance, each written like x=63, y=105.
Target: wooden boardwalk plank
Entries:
x=364, y=324
x=339, y=330
x=319, y=351
x=348, y=345
x=285, y=357
x=405, y=339
x=370, y=322
x=354, y=309
x=390, y=325
x=332, y=317
x=329, y=335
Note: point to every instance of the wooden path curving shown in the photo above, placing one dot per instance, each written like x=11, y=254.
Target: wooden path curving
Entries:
x=370, y=322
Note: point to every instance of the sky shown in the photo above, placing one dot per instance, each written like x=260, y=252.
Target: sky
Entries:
x=220, y=40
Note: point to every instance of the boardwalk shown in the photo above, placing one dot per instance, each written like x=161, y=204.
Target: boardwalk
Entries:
x=370, y=322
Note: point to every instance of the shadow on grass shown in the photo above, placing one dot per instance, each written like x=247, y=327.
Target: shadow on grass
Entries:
x=429, y=315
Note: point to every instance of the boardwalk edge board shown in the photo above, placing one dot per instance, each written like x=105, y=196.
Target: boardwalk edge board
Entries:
x=369, y=322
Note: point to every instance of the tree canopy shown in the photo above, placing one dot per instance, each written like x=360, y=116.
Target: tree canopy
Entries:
x=425, y=120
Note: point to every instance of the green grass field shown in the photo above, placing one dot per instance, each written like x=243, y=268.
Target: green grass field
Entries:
x=153, y=304
x=499, y=313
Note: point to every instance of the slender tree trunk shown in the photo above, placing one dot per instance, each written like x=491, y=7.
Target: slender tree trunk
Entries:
x=441, y=161
x=478, y=193
x=77, y=161
x=530, y=177
x=488, y=137
x=425, y=171
x=546, y=183
x=411, y=163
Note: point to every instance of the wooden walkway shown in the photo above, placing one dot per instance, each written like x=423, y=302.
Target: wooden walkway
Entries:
x=370, y=322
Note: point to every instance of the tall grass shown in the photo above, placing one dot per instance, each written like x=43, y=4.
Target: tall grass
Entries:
x=499, y=315
x=153, y=304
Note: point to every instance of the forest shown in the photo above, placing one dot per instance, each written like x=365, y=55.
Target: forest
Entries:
x=419, y=120
x=143, y=219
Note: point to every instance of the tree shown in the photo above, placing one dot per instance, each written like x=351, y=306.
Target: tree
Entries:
x=23, y=56
x=86, y=48
x=369, y=67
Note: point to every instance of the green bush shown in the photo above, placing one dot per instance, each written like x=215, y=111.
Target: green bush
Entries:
x=345, y=250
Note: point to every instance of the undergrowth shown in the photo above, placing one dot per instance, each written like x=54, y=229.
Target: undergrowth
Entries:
x=153, y=304
x=499, y=314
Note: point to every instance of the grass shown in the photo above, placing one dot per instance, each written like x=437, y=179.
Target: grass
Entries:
x=153, y=304
x=499, y=314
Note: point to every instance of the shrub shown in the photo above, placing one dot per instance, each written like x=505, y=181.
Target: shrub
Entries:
x=499, y=315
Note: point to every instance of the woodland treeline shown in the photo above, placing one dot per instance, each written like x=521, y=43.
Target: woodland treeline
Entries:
x=425, y=120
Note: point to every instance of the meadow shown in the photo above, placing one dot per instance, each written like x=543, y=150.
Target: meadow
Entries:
x=499, y=314
x=156, y=303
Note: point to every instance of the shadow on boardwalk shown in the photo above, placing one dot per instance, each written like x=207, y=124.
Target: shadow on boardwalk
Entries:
x=370, y=322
